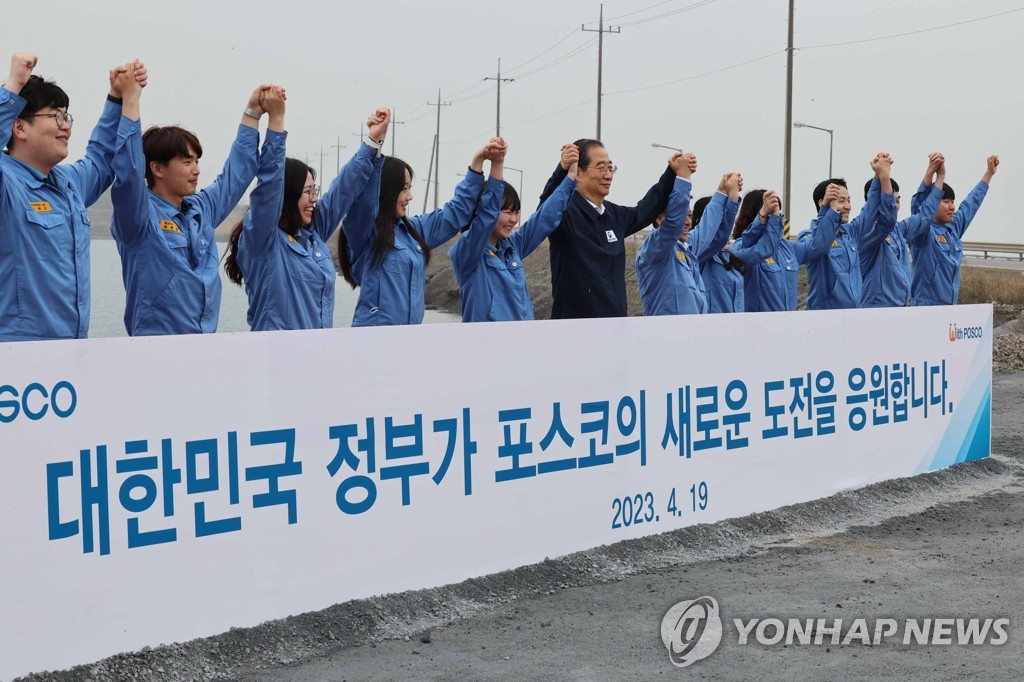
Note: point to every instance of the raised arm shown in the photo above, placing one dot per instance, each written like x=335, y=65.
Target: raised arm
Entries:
x=546, y=218
x=972, y=202
x=918, y=225
x=935, y=160
x=351, y=182
x=267, y=200
x=128, y=193
x=93, y=173
x=220, y=198
x=762, y=237
x=870, y=235
x=661, y=243
x=441, y=225
x=654, y=202
x=815, y=243
x=466, y=254
x=709, y=237
x=11, y=104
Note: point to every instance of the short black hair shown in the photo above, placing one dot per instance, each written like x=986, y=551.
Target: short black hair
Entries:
x=510, y=199
x=819, y=191
x=165, y=143
x=867, y=186
x=948, y=193
x=40, y=94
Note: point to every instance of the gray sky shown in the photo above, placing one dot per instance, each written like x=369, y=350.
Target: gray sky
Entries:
x=667, y=80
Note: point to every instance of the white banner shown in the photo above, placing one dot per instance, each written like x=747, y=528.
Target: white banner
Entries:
x=162, y=489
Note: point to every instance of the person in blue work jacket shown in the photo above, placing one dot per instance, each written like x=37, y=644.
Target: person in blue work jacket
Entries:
x=721, y=271
x=668, y=262
x=771, y=263
x=384, y=251
x=488, y=258
x=884, y=254
x=833, y=273
x=939, y=251
x=164, y=227
x=280, y=249
x=588, y=252
x=44, y=224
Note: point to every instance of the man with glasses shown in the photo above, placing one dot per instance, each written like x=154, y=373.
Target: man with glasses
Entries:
x=44, y=224
x=588, y=252
x=164, y=227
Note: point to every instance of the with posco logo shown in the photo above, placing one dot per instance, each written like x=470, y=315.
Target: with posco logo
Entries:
x=35, y=401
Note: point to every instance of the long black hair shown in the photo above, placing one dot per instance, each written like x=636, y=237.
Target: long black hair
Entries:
x=392, y=182
x=295, y=173
x=749, y=209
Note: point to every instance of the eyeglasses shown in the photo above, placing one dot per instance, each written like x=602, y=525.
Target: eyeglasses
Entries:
x=312, y=192
x=62, y=118
x=605, y=169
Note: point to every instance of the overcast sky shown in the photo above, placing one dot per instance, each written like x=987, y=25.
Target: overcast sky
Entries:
x=666, y=79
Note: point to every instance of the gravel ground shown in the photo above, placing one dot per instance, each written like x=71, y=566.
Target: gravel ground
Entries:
x=942, y=544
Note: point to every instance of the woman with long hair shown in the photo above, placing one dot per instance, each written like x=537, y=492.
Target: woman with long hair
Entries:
x=279, y=250
x=384, y=251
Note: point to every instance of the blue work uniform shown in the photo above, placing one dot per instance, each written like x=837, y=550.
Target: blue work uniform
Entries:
x=723, y=280
x=938, y=252
x=45, y=233
x=588, y=251
x=168, y=256
x=493, y=285
x=833, y=275
x=290, y=280
x=391, y=292
x=885, y=256
x=667, y=270
x=771, y=263
x=722, y=283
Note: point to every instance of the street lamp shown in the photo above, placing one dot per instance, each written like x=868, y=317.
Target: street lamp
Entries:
x=826, y=130
x=517, y=170
x=665, y=146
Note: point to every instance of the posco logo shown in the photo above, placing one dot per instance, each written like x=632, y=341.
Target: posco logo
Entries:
x=691, y=630
x=964, y=333
x=35, y=401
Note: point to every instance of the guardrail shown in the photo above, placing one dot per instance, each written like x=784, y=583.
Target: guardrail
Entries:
x=996, y=250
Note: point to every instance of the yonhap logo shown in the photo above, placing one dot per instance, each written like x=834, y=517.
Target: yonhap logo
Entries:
x=691, y=631
x=964, y=333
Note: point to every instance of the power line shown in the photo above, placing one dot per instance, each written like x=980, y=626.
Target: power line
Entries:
x=688, y=8
x=911, y=33
x=559, y=60
x=641, y=11
x=699, y=75
x=538, y=56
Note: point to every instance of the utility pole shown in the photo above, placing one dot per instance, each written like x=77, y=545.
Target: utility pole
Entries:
x=430, y=169
x=322, y=154
x=437, y=145
x=601, y=30
x=339, y=146
x=788, y=162
x=497, y=129
x=394, y=129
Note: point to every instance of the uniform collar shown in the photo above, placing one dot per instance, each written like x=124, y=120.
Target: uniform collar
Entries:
x=29, y=175
x=183, y=209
